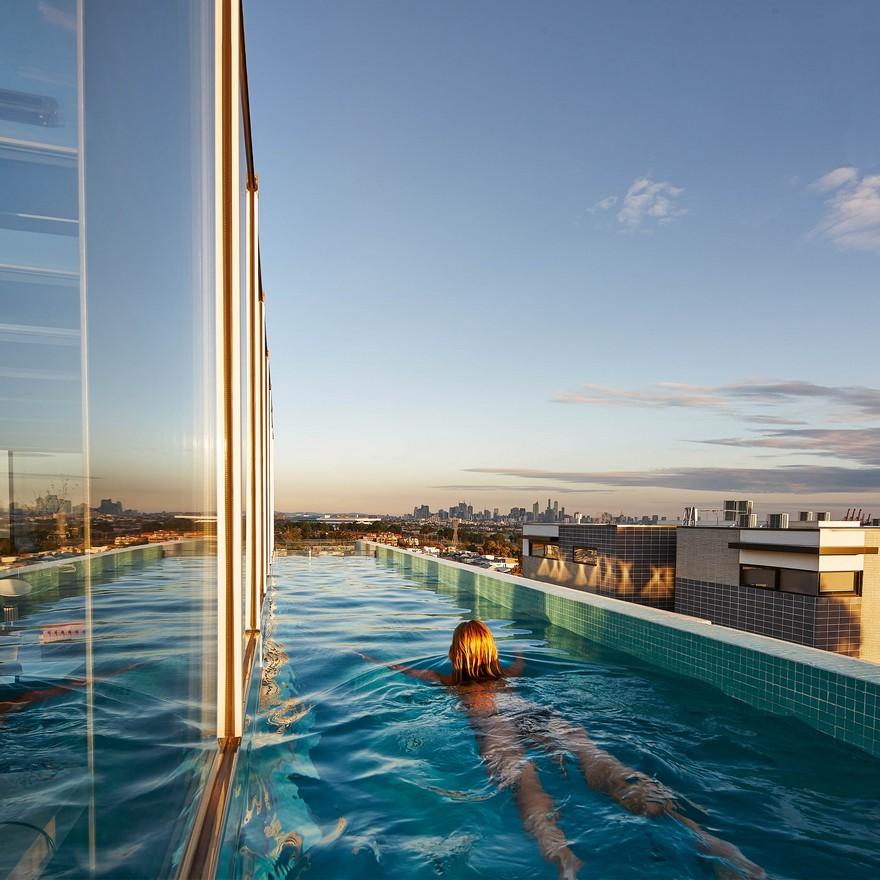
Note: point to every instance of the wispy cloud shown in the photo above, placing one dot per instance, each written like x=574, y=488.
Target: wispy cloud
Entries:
x=834, y=179
x=605, y=204
x=842, y=429
x=661, y=395
x=57, y=17
x=507, y=487
x=772, y=420
x=853, y=400
x=787, y=479
x=852, y=209
x=646, y=201
x=855, y=444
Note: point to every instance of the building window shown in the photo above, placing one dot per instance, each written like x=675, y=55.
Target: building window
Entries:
x=792, y=580
x=758, y=576
x=586, y=555
x=840, y=582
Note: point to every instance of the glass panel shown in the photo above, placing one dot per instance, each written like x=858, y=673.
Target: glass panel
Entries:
x=41, y=461
x=839, y=581
x=792, y=580
x=44, y=768
x=757, y=576
x=109, y=574
x=149, y=190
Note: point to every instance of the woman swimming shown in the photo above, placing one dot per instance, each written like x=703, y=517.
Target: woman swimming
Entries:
x=503, y=722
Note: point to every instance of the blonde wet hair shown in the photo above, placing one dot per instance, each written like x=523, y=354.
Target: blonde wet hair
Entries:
x=473, y=652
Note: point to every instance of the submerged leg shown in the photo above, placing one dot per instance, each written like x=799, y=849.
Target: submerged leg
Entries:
x=508, y=765
x=634, y=791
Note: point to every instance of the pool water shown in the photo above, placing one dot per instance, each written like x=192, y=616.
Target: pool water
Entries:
x=352, y=770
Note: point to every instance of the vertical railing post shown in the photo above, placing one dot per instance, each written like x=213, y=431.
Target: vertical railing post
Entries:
x=264, y=411
x=254, y=507
x=228, y=293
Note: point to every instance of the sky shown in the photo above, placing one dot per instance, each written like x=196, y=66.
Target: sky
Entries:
x=623, y=254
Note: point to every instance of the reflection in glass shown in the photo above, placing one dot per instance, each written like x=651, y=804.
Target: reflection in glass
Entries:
x=107, y=475
x=41, y=462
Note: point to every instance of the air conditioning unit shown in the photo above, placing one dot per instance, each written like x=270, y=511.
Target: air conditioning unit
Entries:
x=807, y=516
x=823, y=516
x=777, y=520
x=747, y=520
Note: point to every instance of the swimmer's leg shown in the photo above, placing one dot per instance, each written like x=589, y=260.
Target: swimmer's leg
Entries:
x=507, y=763
x=634, y=791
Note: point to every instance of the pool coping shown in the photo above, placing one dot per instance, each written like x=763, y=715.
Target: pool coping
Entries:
x=833, y=693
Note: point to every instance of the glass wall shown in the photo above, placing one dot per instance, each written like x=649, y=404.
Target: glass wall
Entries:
x=41, y=454
x=128, y=267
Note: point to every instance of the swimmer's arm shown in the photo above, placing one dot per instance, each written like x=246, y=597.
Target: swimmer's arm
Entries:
x=421, y=674
x=517, y=667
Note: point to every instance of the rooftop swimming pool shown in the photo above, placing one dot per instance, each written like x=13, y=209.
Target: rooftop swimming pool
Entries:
x=350, y=769
x=99, y=774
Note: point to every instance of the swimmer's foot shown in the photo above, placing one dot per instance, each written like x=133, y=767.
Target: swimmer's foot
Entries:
x=568, y=864
x=336, y=833
x=735, y=866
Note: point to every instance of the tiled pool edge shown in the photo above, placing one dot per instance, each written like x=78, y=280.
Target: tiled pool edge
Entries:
x=837, y=695
x=43, y=576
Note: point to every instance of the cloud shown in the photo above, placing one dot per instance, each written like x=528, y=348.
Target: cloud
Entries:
x=606, y=395
x=524, y=487
x=58, y=18
x=788, y=479
x=772, y=420
x=858, y=400
x=649, y=199
x=645, y=201
x=605, y=204
x=855, y=444
x=775, y=430
x=852, y=210
x=834, y=179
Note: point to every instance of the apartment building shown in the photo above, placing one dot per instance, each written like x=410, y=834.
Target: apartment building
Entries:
x=815, y=583
x=635, y=563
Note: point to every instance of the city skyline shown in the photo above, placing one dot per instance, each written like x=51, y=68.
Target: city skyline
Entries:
x=601, y=253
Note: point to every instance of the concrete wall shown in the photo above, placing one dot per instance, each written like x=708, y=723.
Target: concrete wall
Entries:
x=870, y=623
x=703, y=555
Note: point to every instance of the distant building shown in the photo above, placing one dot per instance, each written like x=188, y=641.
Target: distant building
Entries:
x=816, y=583
x=630, y=562
x=110, y=507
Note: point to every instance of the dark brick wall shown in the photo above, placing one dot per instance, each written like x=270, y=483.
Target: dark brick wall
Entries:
x=838, y=626
x=828, y=622
x=635, y=564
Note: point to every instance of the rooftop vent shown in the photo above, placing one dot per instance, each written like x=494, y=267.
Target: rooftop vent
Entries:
x=734, y=509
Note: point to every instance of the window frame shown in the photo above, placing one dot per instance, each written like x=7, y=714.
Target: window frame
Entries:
x=777, y=587
x=592, y=552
